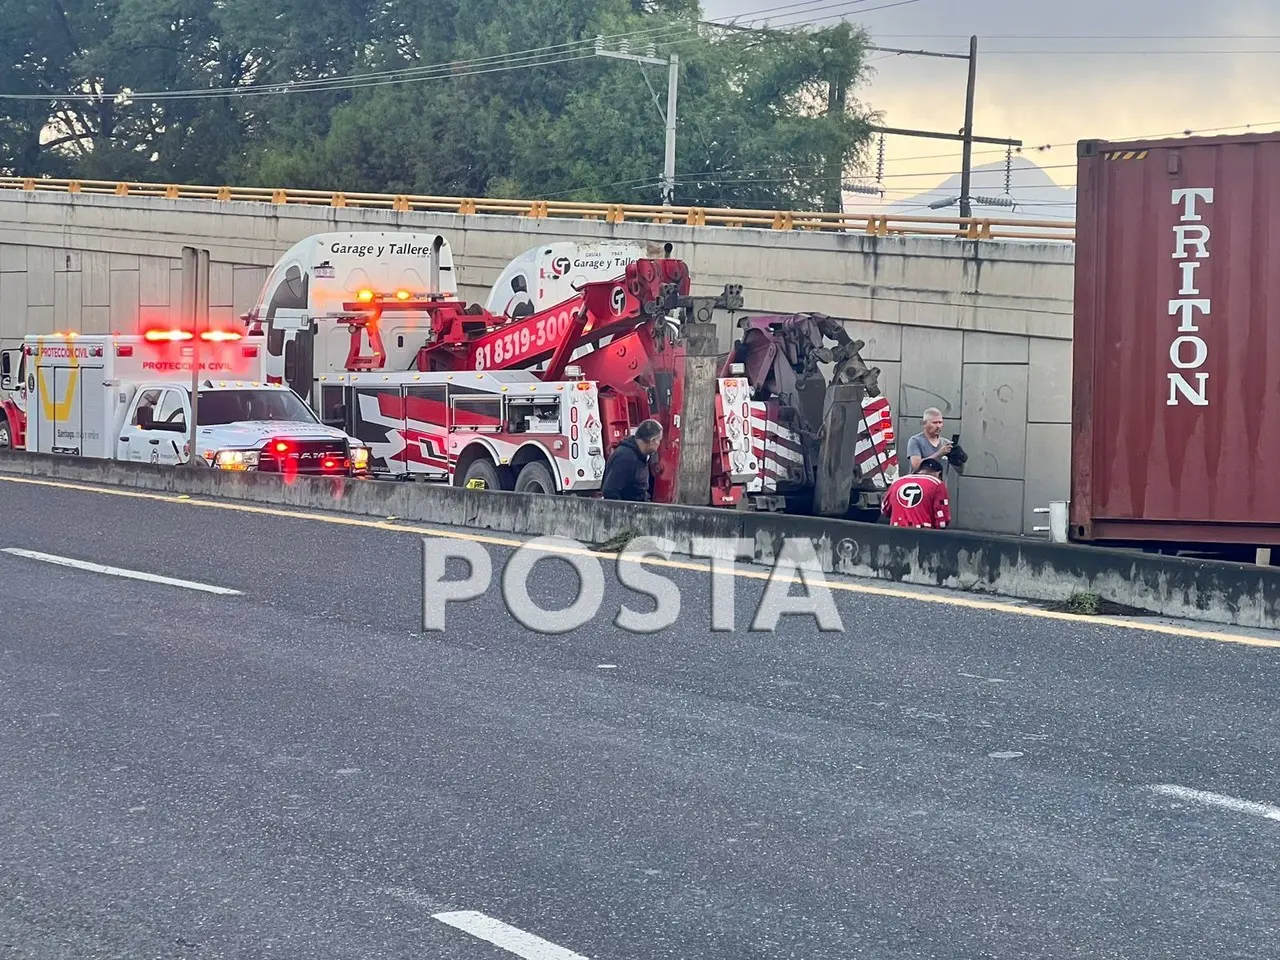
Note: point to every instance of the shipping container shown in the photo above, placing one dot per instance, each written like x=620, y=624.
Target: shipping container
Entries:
x=1176, y=373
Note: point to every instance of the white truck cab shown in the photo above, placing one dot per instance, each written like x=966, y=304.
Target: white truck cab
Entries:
x=126, y=398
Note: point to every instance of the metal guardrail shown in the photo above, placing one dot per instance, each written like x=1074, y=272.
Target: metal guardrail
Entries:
x=871, y=224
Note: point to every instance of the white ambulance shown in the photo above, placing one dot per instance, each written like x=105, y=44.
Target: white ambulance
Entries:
x=129, y=398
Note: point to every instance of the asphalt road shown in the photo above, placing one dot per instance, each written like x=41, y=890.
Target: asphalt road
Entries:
x=297, y=770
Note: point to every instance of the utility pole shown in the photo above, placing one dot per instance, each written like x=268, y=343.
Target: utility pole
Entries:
x=672, y=63
x=201, y=323
x=669, y=158
x=190, y=307
x=966, y=168
x=195, y=317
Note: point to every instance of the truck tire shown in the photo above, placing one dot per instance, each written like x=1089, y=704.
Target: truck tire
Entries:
x=481, y=469
x=6, y=434
x=535, y=478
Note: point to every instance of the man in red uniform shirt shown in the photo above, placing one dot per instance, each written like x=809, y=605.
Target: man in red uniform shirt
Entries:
x=919, y=499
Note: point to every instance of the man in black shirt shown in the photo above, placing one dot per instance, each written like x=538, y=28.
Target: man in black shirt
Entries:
x=626, y=476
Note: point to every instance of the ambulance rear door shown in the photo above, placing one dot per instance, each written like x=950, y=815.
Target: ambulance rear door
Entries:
x=68, y=409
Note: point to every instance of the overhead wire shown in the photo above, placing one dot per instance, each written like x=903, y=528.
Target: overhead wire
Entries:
x=554, y=54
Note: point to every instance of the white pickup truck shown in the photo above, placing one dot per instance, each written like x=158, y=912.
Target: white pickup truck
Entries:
x=128, y=398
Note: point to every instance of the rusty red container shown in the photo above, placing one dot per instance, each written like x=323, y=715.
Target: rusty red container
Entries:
x=1176, y=374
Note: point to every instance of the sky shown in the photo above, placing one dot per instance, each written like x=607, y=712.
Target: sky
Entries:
x=1048, y=72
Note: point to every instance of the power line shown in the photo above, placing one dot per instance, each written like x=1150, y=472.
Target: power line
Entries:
x=841, y=14
x=536, y=56
x=818, y=4
x=549, y=55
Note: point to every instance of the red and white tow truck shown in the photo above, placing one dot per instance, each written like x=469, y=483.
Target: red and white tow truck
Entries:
x=368, y=327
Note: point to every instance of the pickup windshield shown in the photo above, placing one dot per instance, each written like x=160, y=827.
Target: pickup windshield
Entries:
x=239, y=406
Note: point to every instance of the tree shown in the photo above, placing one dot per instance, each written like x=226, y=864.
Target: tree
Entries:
x=446, y=97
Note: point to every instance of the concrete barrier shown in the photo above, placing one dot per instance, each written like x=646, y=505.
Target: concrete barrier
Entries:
x=1204, y=590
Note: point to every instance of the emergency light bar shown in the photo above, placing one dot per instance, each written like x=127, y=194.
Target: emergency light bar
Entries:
x=368, y=296
x=215, y=336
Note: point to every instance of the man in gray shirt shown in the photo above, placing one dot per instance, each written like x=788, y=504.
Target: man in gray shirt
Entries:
x=929, y=443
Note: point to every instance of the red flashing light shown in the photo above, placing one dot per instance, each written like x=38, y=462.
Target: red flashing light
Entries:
x=364, y=296
x=402, y=294
x=161, y=336
x=329, y=464
x=281, y=447
x=219, y=336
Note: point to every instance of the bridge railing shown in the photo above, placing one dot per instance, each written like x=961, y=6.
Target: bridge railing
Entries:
x=881, y=225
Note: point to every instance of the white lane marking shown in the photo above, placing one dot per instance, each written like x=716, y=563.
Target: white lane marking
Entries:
x=117, y=571
x=506, y=937
x=1266, y=811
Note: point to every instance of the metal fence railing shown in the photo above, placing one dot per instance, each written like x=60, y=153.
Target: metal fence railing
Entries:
x=880, y=225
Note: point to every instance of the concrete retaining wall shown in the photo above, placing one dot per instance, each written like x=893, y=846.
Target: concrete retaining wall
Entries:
x=1209, y=591
x=979, y=329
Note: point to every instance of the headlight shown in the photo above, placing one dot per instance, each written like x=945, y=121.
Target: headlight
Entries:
x=236, y=459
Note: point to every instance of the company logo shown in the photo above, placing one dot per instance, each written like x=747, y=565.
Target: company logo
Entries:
x=1188, y=350
x=560, y=266
x=619, y=299
x=910, y=494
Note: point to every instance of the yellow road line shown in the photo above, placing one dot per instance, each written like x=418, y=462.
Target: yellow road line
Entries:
x=990, y=606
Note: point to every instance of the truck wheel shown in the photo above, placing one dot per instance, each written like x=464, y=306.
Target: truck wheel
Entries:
x=482, y=469
x=6, y=435
x=535, y=478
